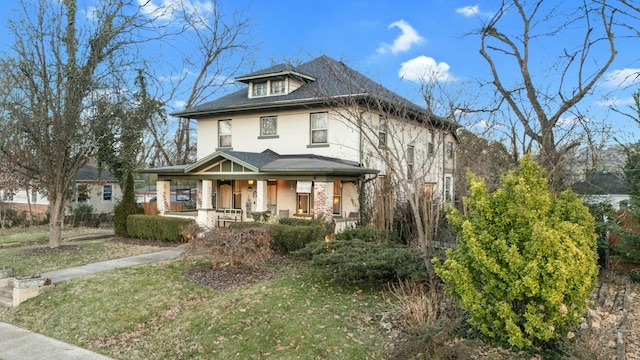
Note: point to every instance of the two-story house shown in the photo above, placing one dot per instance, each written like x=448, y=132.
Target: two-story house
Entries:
x=303, y=140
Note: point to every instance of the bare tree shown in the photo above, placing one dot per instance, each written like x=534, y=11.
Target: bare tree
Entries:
x=413, y=147
x=542, y=98
x=61, y=60
x=222, y=47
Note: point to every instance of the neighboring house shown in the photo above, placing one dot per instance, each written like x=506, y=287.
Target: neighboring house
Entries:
x=290, y=143
x=90, y=186
x=602, y=186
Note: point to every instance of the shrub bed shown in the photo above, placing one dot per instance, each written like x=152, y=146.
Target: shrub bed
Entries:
x=157, y=227
x=355, y=260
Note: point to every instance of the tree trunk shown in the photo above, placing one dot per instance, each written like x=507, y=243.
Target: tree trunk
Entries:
x=56, y=208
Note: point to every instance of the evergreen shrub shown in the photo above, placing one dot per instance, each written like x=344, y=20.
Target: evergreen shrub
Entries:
x=526, y=263
x=157, y=227
x=127, y=206
x=357, y=260
x=287, y=238
x=366, y=233
x=83, y=216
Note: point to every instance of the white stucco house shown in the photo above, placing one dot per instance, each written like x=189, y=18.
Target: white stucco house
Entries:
x=302, y=140
x=603, y=186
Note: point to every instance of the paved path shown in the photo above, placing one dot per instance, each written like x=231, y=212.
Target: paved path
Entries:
x=17, y=343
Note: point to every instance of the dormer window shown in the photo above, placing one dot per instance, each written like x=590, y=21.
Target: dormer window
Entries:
x=277, y=87
x=260, y=89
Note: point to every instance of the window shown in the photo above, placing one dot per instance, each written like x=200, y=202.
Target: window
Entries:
x=449, y=149
x=277, y=87
x=304, y=201
x=382, y=133
x=224, y=133
x=410, y=151
x=430, y=149
x=237, y=195
x=34, y=195
x=447, y=188
x=8, y=195
x=260, y=89
x=269, y=126
x=82, y=191
x=337, y=197
x=319, y=125
x=107, y=193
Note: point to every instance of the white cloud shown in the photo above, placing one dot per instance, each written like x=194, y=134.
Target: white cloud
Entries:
x=424, y=68
x=622, y=78
x=469, y=11
x=407, y=38
x=615, y=102
x=167, y=9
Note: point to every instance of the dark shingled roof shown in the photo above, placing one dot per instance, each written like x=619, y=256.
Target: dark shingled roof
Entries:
x=92, y=173
x=333, y=79
x=600, y=183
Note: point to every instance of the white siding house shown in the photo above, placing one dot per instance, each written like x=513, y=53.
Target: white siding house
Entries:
x=303, y=140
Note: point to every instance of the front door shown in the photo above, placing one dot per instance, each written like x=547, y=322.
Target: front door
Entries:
x=272, y=197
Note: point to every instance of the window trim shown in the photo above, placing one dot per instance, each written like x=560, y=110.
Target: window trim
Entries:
x=220, y=135
x=268, y=136
x=283, y=88
x=337, y=194
x=254, y=88
x=325, y=129
x=383, y=126
x=450, y=150
x=104, y=187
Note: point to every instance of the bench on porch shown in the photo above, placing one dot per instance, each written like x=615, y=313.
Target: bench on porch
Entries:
x=229, y=215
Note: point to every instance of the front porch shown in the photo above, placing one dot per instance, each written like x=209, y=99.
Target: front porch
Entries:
x=232, y=186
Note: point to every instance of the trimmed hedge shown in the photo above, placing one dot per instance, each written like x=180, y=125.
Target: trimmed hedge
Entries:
x=291, y=234
x=287, y=238
x=157, y=227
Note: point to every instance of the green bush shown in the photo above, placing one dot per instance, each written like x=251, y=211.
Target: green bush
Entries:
x=83, y=216
x=261, y=216
x=368, y=234
x=292, y=221
x=157, y=227
x=287, y=238
x=127, y=206
x=526, y=264
x=355, y=260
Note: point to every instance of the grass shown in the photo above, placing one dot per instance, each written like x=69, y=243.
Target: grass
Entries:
x=41, y=234
x=35, y=258
x=150, y=312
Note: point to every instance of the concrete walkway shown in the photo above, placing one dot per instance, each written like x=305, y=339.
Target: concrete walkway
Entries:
x=17, y=343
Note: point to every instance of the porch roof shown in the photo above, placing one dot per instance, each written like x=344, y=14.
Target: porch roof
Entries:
x=267, y=164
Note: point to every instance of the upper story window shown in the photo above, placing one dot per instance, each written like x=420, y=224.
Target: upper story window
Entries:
x=8, y=195
x=260, y=89
x=382, y=132
x=450, y=149
x=410, y=159
x=107, y=193
x=269, y=126
x=277, y=87
x=224, y=133
x=430, y=147
x=319, y=128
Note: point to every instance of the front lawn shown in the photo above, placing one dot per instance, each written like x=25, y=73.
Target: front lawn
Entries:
x=152, y=312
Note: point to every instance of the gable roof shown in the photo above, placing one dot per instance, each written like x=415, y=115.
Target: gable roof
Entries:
x=600, y=183
x=331, y=79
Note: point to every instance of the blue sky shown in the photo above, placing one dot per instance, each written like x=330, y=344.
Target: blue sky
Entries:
x=394, y=42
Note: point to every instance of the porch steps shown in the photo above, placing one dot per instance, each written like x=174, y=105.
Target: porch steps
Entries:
x=6, y=297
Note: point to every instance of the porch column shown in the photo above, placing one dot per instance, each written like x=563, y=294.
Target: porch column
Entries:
x=163, y=196
x=261, y=198
x=205, y=208
x=323, y=199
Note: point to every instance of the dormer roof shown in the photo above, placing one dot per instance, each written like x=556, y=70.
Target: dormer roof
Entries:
x=281, y=70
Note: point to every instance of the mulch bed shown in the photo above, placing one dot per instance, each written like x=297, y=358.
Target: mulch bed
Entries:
x=228, y=277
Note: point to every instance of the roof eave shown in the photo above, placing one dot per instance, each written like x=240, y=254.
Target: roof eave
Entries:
x=247, y=79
